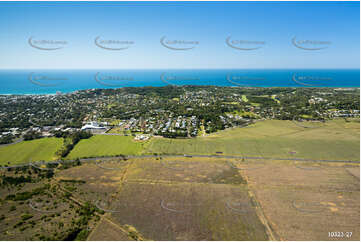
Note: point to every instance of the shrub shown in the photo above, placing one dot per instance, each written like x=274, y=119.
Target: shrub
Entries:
x=26, y=216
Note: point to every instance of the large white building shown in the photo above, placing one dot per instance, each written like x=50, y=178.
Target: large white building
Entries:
x=93, y=126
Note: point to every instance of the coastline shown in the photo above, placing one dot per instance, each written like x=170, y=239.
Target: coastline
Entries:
x=51, y=82
x=249, y=87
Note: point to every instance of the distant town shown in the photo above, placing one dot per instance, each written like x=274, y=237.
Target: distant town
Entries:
x=170, y=111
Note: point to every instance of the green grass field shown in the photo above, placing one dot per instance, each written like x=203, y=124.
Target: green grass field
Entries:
x=334, y=140
x=106, y=145
x=244, y=98
x=34, y=150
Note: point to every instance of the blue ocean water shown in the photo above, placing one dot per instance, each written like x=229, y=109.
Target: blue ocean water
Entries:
x=52, y=81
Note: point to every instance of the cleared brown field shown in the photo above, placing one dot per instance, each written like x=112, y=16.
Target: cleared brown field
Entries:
x=188, y=212
x=168, y=170
x=306, y=201
x=220, y=199
x=99, y=179
x=169, y=199
x=354, y=171
x=108, y=231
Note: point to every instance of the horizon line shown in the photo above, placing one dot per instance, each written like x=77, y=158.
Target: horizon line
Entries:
x=296, y=68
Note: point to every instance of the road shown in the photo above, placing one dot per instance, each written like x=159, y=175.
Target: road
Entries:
x=184, y=156
x=13, y=143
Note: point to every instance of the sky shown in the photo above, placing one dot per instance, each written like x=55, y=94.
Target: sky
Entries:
x=261, y=35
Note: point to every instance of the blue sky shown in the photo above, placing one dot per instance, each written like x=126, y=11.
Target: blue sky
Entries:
x=274, y=24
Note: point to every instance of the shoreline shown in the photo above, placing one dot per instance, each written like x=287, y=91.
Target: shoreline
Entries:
x=92, y=89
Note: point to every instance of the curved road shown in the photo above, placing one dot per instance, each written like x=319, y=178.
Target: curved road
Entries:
x=14, y=142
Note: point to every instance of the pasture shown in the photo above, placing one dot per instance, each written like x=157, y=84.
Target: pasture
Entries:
x=332, y=140
x=33, y=150
x=106, y=145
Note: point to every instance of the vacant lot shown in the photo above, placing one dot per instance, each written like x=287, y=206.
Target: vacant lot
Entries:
x=222, y=199
x=98, y=180
x=34, y=150
x=305, y=201
x=179, y=169
x=333, y=140
x=189, y=211
x=106, y=145
x=194, y=199
x=183, y=198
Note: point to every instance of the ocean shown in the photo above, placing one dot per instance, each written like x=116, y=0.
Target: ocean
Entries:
x=65, y=81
